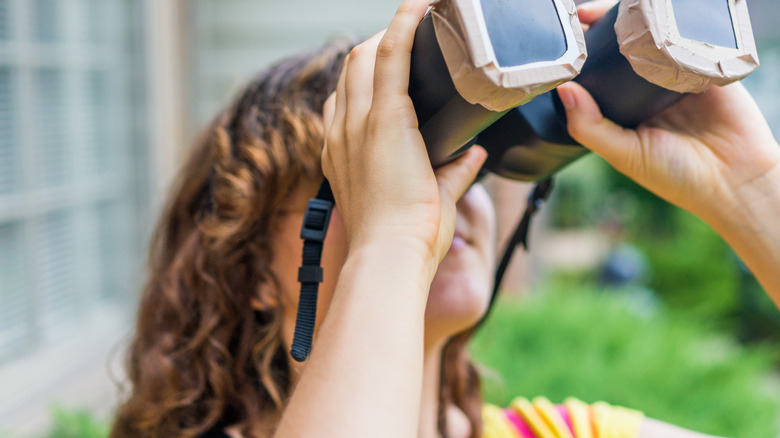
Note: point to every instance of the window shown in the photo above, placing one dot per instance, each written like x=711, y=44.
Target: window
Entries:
x=66, y=191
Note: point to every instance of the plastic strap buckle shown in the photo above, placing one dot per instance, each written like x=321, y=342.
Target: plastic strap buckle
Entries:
x=316, y=219
x=309, y=274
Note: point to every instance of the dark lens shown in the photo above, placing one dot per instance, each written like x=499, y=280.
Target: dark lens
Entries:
x=524, y=31
x=711, y=24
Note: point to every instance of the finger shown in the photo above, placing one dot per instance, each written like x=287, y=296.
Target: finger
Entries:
x=619, y=146
x=328, y=111
x=593, y=10
x=393, y=56
x=456, y=177
x=341, y=96
x=360, y=80
x=334, y=122
x=334, y=134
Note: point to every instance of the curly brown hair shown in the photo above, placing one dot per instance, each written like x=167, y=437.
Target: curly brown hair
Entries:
x=202, y=357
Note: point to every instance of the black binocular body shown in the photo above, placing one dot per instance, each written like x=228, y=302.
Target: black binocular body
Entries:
x=642, y=57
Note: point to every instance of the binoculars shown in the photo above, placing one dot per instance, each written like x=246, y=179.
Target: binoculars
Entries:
x=485, y=71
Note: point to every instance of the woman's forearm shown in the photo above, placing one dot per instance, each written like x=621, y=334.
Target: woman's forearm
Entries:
x=364, y=376
x=752, y=228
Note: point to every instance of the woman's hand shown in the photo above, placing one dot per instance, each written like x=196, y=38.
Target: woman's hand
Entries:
x=698, y=154
x=374, y=156
x=712, y=154
x=399, y=219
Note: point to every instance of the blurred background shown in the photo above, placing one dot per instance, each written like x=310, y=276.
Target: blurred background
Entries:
x=623, y=297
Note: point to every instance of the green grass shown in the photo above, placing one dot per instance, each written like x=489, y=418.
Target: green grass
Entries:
x=588, y=344
x=78, y=423
x=72, y=423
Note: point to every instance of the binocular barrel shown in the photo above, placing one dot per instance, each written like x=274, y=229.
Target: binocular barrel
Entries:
x=643, y=56
x=448, y=122
x=468, y=69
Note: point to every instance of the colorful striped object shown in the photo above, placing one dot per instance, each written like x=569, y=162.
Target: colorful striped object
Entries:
x=574, y=419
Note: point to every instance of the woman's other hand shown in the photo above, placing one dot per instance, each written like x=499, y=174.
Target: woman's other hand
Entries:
x=712, y=154
x=374, y=156
x=696, y=154
x=700, y=154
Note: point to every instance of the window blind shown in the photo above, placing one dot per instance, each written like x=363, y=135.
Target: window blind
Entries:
x=66, y=191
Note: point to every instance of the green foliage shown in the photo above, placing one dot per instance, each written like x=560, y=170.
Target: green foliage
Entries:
x=76, y=424
x=758, y=317
x=577, y=193
x=693, y=268
x=590, y=345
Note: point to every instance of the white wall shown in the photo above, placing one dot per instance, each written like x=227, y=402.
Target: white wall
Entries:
x=233, y=39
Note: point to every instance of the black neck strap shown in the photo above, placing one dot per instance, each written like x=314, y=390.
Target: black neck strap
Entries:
x=536, y=200
x=315, y=226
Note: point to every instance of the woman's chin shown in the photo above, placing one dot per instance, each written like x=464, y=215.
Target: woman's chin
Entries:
x=457, y=301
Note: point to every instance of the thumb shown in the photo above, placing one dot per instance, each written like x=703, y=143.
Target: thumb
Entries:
x=617, y=145
x=456, y=177
x=593, y=10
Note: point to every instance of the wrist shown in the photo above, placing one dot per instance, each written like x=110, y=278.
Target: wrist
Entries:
x=751, y=208
x=410, y=240
x=404, y=261
x=752, y=231
x=748, y=223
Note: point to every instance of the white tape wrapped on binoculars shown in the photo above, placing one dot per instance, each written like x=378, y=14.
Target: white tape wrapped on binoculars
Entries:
x=474, y=67
x=649, y=37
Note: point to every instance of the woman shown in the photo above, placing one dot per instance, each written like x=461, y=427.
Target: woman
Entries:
x=401, y=293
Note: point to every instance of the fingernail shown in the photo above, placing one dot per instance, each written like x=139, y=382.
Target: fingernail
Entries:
x=567, y=97
x=482, y=151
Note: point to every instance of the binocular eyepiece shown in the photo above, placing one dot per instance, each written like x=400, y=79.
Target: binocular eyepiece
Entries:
x=485, y=71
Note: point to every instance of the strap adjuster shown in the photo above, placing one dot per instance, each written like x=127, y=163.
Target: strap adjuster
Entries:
x=316, y=219
x=313, y=230
x=309, y=274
